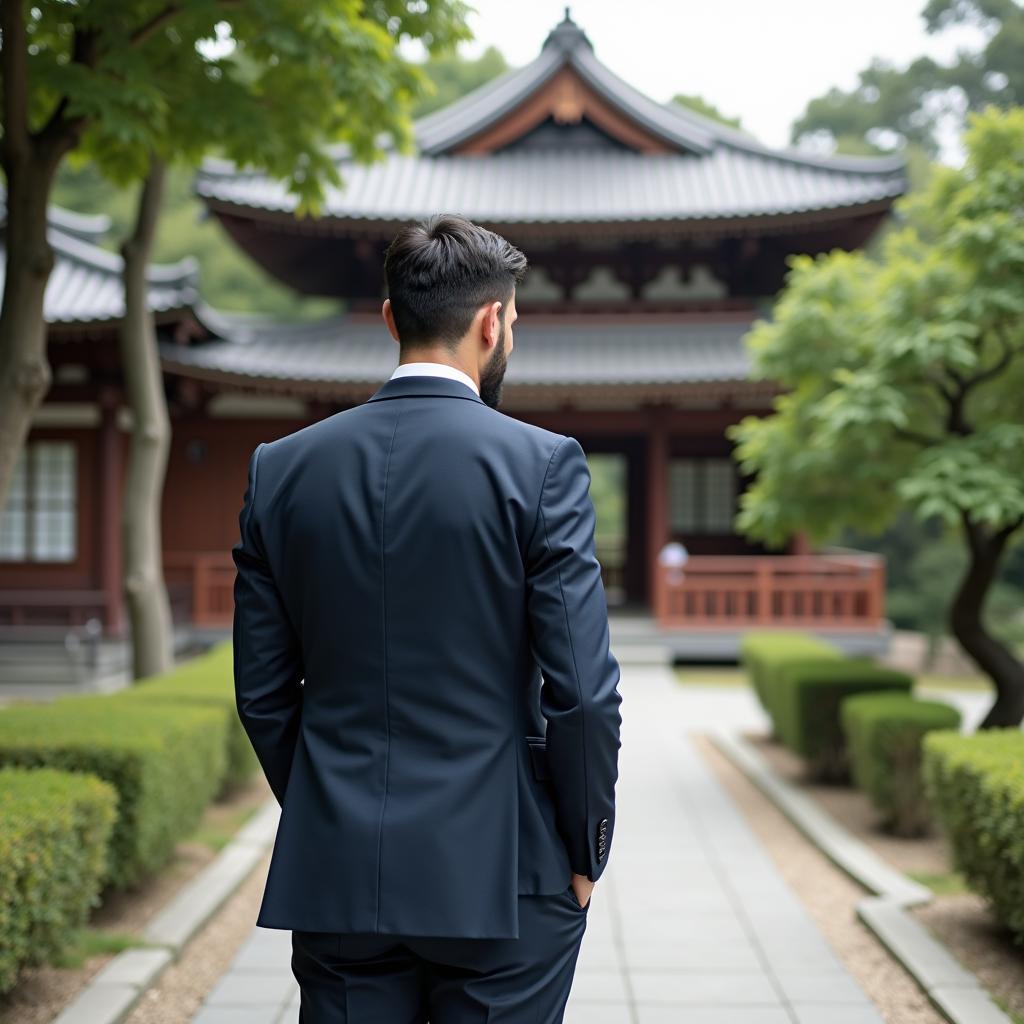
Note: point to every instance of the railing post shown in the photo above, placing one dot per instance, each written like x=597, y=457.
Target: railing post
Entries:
x=876, y=592
x=200, y=590
x=763, y=584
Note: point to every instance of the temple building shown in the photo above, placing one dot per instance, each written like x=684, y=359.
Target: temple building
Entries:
x=655, y=235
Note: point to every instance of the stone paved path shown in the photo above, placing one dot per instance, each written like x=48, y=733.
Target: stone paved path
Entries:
x=691, y=922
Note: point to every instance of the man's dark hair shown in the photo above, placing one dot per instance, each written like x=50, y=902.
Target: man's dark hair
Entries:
x=440, y=271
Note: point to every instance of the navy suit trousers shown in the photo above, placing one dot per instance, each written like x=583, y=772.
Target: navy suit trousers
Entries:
x=387, y=979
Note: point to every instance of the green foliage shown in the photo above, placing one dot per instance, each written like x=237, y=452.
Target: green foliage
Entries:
x=228, y=277
x=763, y=653
x=976, y=785
x=883, y=737
x=54, y=831
x=451, y=76
x=267, y=82
x=701, y=106
x=915, y=101
x=903, y=376
x=207, y=681
x=807, y=698
x=165, y=761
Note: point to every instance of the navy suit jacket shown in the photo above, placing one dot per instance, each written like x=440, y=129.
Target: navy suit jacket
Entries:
x=422, y=665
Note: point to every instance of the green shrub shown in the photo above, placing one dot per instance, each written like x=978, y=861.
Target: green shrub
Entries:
x=976, y=786
x=883, y=738
x=763, y=652
x=54, y=833
x=165, y=761
x=207, y=680
x=807, y=695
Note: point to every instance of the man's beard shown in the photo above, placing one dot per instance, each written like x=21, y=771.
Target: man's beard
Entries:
x=494, y=372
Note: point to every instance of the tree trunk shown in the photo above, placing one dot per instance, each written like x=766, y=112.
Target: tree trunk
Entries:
x=30, y=163
x=967, y=623
x=25, y=374
x=146, y=600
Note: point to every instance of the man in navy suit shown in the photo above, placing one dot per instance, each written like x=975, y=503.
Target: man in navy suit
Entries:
x=422, y=665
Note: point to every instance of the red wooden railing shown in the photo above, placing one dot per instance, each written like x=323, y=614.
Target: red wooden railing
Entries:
x=210, y=578
x=842, y=591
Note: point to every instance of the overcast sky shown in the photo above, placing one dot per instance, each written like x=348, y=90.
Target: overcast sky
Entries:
x=753, y=59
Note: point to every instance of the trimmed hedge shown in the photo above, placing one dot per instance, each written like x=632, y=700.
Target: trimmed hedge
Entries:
x=807, y=695
x=883, y=737
x=976, y=785
x=207, y=680
x=54, y=831
x=762, y=653
x=165, y=761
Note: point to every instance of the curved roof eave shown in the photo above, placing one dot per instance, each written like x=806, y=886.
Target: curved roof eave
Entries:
x=467, y=116
x=675, y=124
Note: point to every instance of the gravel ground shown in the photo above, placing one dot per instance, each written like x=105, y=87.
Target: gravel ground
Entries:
x=961, y=921
x=829, y=896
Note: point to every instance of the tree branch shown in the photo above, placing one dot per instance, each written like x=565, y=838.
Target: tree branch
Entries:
x=922, y=439
x=14, y=72
x=151, y=27
x=60, y=131
x=994, y=370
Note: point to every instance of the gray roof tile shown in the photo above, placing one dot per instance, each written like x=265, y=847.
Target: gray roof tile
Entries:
x=85, y=284
x=568, y=186
x=609, y=351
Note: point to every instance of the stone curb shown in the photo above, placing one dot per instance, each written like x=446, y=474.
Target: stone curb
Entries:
x=954, y=991
x=118, y=986
x=845, y=850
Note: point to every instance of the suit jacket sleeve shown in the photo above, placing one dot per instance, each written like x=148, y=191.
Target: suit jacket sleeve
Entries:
x=267, y=655
x=580, y=699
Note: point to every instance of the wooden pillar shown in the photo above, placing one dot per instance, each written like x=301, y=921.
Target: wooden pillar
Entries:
x=799, y=544
x=657, y=496
x=636, y=530
x=111, y=460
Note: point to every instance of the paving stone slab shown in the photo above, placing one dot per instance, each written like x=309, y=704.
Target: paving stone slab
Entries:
x=237, y=1015
x=253, y=988
x=749, y=988
x=830, y=1013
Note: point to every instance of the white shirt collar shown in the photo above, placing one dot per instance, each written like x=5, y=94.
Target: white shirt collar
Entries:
x=435, y=370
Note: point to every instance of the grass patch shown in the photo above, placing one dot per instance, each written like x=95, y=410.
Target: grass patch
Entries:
x=218, y=833
x=84, y=943
x=711, y=675
x=1017, y=1018
x=976, y=683
x=946, y=883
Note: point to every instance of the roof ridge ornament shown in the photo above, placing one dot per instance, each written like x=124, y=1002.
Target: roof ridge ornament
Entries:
x=567, y=35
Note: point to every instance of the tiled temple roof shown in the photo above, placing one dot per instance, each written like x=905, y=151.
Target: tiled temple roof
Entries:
x=707, y=169
x=85, y=285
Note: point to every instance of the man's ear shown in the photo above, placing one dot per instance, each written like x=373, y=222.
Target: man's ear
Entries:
x=491, y=323
x=389, y=318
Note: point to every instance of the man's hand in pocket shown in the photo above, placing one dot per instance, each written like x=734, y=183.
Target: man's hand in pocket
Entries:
x=583, y=887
